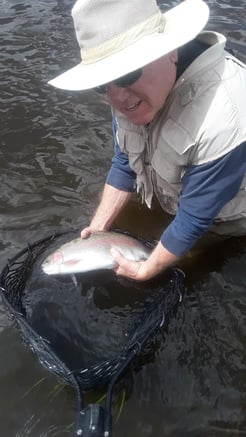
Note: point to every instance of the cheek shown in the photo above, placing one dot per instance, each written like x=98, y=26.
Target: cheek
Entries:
x=156, y=99
x=158, y=88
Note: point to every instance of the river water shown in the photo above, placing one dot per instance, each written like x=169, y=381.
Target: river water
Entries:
x=56, y=148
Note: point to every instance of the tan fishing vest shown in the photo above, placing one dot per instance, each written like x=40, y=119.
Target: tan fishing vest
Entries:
x=203, y=118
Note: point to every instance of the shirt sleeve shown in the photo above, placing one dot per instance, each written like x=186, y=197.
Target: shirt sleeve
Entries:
x=120, y=175
x=206, y=189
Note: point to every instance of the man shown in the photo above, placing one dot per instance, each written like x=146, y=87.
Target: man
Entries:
x=179, y=120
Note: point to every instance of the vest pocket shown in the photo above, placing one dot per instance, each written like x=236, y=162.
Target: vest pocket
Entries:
x=133, y=145
x=166, y=170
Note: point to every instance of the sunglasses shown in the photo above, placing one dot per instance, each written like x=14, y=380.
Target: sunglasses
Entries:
x=122, y=82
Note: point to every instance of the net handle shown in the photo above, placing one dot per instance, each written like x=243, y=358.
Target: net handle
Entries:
x=96, y=420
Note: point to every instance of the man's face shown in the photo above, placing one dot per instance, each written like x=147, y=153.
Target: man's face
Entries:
x=141, y=101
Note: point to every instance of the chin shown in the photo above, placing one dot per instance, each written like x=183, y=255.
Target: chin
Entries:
x=140, y=120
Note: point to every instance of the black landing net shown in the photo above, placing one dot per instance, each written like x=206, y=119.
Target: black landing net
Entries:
x=134, y=313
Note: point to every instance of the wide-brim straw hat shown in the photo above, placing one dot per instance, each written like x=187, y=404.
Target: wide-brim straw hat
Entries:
x=120, y=36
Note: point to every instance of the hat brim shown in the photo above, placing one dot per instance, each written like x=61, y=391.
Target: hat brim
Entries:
x=182, y=24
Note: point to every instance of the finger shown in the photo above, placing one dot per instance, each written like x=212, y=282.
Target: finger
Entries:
x=124, y=266
x=117, y=256
x=85, y=233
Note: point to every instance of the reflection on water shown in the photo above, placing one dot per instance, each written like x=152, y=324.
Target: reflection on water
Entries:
x=55, y=150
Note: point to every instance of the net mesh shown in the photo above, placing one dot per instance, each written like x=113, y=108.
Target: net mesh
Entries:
x=14, y=281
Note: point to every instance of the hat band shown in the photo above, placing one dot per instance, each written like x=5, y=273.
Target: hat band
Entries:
x=156, y=23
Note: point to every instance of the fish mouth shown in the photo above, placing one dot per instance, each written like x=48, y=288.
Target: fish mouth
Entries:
x=47, y=268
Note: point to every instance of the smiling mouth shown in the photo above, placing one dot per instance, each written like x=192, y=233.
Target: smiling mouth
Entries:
x=133, y=107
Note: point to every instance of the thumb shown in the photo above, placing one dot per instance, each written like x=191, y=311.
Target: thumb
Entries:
x=85, y=233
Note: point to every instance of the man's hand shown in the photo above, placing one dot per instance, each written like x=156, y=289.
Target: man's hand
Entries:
x=130, y=269
x=86, y=232
x=159, y=260
x=112, y=202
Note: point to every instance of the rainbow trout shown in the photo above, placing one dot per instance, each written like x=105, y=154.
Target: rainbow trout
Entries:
x=93, y=253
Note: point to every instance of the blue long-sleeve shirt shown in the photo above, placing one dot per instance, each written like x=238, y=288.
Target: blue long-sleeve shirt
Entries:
x=206, y=188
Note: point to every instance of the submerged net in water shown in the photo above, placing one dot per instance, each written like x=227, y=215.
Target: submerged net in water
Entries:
x=86, y=331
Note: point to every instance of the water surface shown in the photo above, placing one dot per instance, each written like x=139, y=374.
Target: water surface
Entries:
x=56, y=148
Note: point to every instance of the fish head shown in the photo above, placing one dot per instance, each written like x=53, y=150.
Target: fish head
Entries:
x=52, y=264
x=58, y=264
